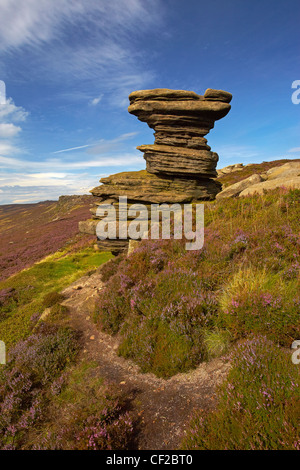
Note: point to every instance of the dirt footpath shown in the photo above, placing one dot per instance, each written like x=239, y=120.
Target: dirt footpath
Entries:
x=163, y=406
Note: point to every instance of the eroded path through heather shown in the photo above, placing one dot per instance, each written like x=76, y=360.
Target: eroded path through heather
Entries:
x=164, y=406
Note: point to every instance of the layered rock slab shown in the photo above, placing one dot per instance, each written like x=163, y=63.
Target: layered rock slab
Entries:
x=180, y=120
x=179, y=165
x=168, y=160
x=142, y=186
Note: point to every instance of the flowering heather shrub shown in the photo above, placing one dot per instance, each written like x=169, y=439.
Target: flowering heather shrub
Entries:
x=8, y=300
x=262, y=312
x=33, y=366
x=110, y=268
x=87, y=414
x=6, y=295
x=292, y=197
x=100, y=431
x=164, y=301
x=105, y=431
x=161, y=318
x=258, y=405
x=239, y=244
x=257, y=302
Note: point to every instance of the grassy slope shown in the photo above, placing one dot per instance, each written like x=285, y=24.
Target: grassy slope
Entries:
x=54, y=401
x=240, y=294
x=48, y=399
x=152, y=306
x=29, y=232
x=33, y=284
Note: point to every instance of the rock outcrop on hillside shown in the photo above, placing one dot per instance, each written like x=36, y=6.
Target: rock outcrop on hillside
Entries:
x=142, y=186
x=230, y=169
x=180, y=120
x=286, y=175
x=180, y=166
x=236, y=188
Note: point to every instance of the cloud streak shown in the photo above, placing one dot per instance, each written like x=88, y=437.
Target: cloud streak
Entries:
x=91, y=47
x=9, y=130
x=106, y=48
x=36, y=22
x=100, y=162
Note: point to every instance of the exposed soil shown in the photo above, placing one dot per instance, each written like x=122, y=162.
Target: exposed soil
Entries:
x=164, y=407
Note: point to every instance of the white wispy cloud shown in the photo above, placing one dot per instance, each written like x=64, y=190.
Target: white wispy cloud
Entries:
x=293, y=150
x=73, y=148
x=91, y=49
x=17, y=188
x=107, y=50
x=8, y=130
x=7, y=148
x=235, y=152
x=101, y=146
x=72, y=164
x=96, y=100
x=38, y=21
x=28, y=194
x=9, y=111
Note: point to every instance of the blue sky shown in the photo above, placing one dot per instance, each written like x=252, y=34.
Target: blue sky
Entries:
x=69, y=66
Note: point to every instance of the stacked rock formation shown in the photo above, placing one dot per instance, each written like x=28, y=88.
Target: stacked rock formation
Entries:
x=180, y=166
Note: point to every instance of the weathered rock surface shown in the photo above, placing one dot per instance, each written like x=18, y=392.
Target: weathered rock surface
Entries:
x=88, y=226
x=237, y=188
x=230, y=169
x=114, y=246
x=141, y=186
x=180, y=120
x=286, y=175
x=218, y=95
x=180, y=164
x=260, y=188
x=133, y=244
x=171, y=160
x=288, y=170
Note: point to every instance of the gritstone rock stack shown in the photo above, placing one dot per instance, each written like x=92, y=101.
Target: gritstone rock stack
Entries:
x=180, y=166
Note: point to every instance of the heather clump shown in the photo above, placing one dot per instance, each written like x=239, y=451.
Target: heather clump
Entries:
x=256, y=301
x=33, y=366
x=110, y=268
x=160, y=319
x=258, y=405
x=173, y=308
x=87, y=414
x=166, y=337
x=8, y=301
x=105, y=431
